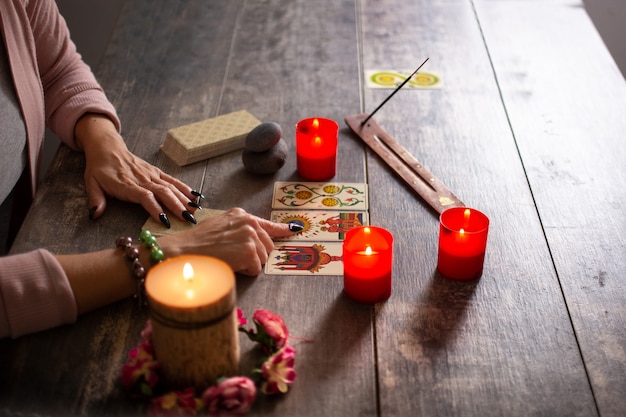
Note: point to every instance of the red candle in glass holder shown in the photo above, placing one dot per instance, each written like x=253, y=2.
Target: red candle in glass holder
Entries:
x=316, y=148
x=462, y=243
x=367, y=264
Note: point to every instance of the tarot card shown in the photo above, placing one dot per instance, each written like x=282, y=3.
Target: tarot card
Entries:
x=320, y=195
x=378, y=78
x=321, y=225
x=305, y=258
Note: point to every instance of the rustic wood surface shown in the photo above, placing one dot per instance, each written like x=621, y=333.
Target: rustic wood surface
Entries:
x=566, y=100
x=526, y=128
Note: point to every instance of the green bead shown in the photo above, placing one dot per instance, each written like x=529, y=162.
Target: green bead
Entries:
x=156, y=254
x=145, y=235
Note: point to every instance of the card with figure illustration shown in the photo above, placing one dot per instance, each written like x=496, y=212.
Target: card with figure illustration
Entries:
x=321, y=225
x=320, y=196
x=305, y=258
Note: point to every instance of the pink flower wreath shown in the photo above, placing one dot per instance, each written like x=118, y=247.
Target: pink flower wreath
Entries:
x=230, y=396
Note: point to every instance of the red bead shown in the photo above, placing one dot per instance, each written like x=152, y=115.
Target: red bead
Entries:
x=123, y=241
x=138, y=270
x=131, y=252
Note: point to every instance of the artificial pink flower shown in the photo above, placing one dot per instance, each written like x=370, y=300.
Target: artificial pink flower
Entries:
x=231, y=397
x=139, y=373
x=175, y=403
x=271, y=329
x=146, y=333
x=241, y=319
x=278, y=371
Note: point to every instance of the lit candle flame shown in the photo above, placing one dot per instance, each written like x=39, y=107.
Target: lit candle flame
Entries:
x=368, y=250
x=316, y=123
x=462, y=231
x=317, y=141
x=188, y=272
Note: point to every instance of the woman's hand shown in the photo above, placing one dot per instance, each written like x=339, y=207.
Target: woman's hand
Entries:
x=112, y=170
x=238, y=238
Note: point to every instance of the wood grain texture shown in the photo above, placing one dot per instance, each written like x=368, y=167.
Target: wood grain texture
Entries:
x=527, y=128
x=565, y=99
x=503, y=345
x=171, y=64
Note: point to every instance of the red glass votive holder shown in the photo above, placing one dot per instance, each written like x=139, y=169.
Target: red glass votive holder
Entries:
x=462, y=243
x=367, y=264
x=316, y=148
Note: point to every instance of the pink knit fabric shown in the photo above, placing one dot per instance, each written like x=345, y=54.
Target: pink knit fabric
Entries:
x=34, y=294
x=54, y=87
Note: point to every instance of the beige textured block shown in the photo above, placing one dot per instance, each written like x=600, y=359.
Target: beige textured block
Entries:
x=208, y=138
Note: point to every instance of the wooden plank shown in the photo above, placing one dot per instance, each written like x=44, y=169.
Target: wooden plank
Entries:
x=565, y=98
x=293, y=60
x=503, y=345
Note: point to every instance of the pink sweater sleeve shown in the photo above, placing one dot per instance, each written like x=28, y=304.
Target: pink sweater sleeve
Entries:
x=70, y=88
x=35, y=294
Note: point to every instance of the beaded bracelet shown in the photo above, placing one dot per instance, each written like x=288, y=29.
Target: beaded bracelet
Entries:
x=132, y=256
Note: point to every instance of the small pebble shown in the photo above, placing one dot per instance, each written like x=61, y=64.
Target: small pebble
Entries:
x=266, y=162
x=263, y=137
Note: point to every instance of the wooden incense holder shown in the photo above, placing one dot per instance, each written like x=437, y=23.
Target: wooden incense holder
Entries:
x=420, y=179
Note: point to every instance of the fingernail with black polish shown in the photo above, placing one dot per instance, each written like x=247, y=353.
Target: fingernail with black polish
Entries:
x=165, y=220
x=189, y=217
x=194, y=205
x=197, y=194
x=295, y=227
x=92, y=212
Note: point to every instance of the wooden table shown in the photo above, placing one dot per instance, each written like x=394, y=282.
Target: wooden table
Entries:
x=528, y=127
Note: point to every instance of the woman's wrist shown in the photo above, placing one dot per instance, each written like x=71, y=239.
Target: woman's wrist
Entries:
x=138, y=266
x=94, y=130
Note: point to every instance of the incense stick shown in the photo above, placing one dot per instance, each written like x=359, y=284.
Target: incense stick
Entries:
x=394, y=92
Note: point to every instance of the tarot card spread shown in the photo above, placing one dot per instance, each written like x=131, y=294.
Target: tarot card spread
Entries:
x=326, y=211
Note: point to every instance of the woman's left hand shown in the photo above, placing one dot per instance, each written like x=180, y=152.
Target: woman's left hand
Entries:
x=112, y=170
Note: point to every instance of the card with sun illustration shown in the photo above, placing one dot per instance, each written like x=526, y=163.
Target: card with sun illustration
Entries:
x=305, y=258
x=326, y=211
x=320, y=196
x=321, y=225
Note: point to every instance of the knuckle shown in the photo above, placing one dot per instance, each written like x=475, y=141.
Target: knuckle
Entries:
x=237, y=211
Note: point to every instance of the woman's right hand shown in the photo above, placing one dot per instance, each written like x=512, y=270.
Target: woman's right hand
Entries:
x=238, y=238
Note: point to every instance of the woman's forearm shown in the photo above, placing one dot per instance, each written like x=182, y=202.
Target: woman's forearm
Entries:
x=100, y=278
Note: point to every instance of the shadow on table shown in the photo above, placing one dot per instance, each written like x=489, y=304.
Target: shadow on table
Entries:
x=441, y=314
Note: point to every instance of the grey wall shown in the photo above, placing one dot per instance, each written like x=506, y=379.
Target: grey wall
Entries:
x=609, y=17
x=91, y=23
